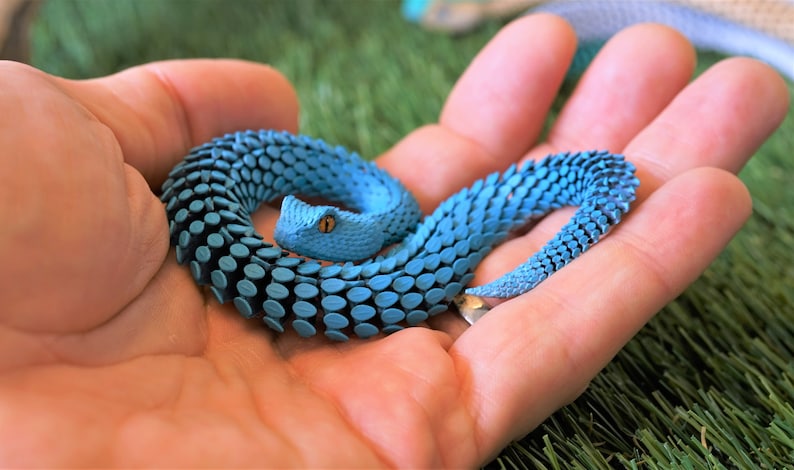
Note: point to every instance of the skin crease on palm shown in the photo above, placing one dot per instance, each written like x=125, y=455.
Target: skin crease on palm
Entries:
x=112, y=356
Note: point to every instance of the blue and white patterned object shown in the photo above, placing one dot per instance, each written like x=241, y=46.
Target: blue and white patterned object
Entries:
x=597, y=20
x=211, y=195
x=763, y=29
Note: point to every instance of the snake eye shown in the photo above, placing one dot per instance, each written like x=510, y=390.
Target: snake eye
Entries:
x=326, y=223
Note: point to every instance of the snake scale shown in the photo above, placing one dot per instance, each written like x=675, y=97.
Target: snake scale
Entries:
x=211, y=195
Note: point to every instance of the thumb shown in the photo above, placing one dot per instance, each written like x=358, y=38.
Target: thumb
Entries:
x=81, y=231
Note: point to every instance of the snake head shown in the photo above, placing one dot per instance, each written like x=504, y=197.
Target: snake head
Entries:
x=326, y=232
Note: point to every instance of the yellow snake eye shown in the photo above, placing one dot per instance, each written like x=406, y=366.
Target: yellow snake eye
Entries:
x=327, y=223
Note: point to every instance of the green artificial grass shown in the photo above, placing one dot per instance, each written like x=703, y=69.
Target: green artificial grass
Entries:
x=709, y=383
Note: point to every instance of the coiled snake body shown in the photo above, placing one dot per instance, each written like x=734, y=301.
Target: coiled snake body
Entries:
x=211, y=195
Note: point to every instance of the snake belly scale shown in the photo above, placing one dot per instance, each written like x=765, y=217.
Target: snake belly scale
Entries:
x=212, y=193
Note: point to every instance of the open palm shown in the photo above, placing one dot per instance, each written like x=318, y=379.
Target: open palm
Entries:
x=111, y=355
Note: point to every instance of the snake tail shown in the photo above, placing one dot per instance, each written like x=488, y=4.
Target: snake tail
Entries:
x=210, y=196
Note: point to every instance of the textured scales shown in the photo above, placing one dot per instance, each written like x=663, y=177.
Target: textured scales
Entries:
x=211, y=195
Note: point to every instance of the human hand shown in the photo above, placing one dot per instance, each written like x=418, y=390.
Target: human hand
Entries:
x=111, y=355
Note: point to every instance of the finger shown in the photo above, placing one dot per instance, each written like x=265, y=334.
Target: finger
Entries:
x=494, y=113
x=623, y=90
x=549, y=343
x=714, y=121
x=502, y=99
x=719, y=120
x=160, y=110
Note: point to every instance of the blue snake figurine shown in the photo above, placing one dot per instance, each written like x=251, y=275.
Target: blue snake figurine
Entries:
x=211, y=195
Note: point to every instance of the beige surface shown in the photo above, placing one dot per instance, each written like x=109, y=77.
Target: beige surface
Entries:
x=7, y=10
x=15, y=18
x=775, y=17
